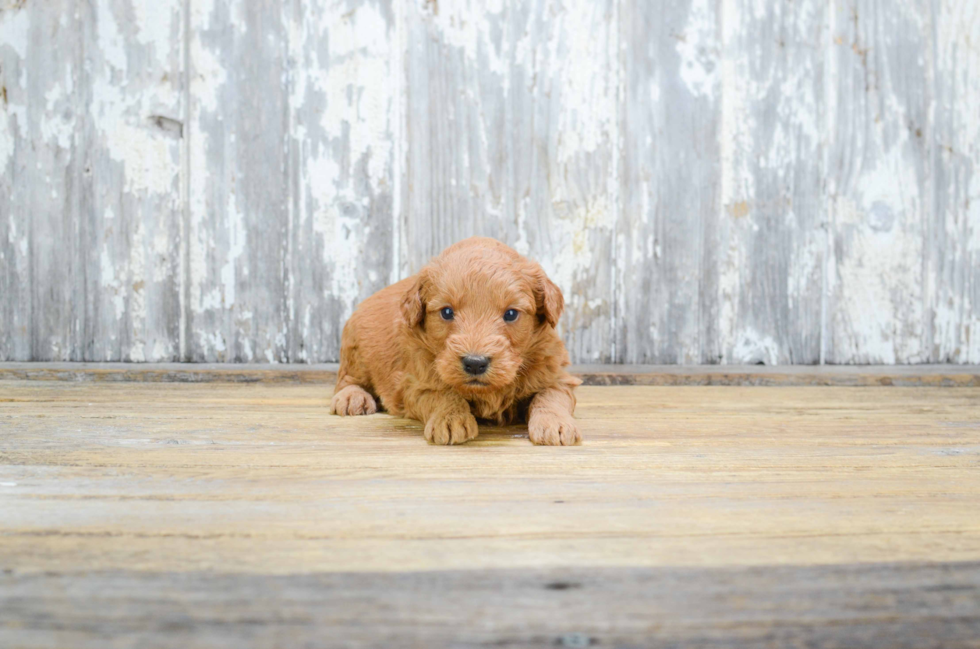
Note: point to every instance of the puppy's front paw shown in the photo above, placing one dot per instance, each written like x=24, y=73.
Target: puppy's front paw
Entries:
x=353, y=400
x=553, y=430
x=451, y=428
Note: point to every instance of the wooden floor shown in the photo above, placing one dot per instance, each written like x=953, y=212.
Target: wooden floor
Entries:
x=242, y=515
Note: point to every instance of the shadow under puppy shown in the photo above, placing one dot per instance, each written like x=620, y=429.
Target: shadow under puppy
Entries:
x=471, y=336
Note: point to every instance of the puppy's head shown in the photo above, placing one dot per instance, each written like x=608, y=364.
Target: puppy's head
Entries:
x=478, y=308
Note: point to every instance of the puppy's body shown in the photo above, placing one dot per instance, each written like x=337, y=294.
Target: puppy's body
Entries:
x=471, y=336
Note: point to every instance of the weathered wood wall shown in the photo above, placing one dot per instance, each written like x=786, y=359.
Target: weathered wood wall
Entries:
x=708, y=180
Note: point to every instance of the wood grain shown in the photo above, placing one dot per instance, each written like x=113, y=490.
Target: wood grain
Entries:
x=709, y=181
x=127, y=214
x=954, y=234
x=512, y=134
x=764, y=250
x=343, y=104
x=326, y=373
x=225, y=515
x=90, y=145
x=238, y=211
x=669, y=185
x=257, y=478
x=40, y=183
x=880, y=184
x=892, y=606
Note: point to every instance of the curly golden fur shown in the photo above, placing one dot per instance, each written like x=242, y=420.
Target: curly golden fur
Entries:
x=471, y=336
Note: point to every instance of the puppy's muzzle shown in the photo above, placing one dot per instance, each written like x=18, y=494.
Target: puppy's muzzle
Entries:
x=475, y=365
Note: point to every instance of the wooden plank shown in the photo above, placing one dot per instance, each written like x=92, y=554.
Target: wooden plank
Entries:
x=512, y=133
x=236, y=249
x=323, y=373
x=457, y=66
x=291, y=188
x=14, y=232
x=343, y=78
x=827, y=375
x=243, y=515
x=763, y=254
x=670, y=176
x=882, y=605
x=786, y=376
x=40, y=119
x=259, y=479
x=564, y=151
x=880, y=183
x=91, y=213
x=954, y=244
x=128, y=210
x=13, y=262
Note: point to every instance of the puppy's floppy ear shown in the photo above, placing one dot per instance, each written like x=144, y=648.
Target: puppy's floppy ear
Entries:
x=413, y=302
x=548, y=298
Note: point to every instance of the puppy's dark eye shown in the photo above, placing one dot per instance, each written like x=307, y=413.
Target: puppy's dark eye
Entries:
x=510, y=315
x=447, y=313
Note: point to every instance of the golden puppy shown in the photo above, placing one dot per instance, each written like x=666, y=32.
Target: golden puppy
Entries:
x=471, y=336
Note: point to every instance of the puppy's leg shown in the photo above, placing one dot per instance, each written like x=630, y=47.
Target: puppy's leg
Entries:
x=352, y=400
x=550, y=420
x=447, y=416
x=349, y=395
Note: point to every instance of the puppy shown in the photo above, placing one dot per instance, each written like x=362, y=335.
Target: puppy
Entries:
x=472, y=336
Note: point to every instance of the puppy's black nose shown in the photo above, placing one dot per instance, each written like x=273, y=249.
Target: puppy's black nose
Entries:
x=475, y=365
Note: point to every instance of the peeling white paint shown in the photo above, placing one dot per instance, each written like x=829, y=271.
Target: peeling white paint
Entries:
x=148, y=159
x=58, y=121
x=14, y=26
x=208, y=75
x=358, y=96
x=236, y=248
x=14, y=31
x=111, y=283
x=6, y=144
x=587, y=114
x=346, y=74
x=466, y=25
x=697, y=50
x=878, y=316
x=154, y=22
x=575, y=262
x=110, y=42
x=753, y=348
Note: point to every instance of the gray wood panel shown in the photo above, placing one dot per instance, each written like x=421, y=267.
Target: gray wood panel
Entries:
x=39, y=189
x=954, y=239
x=343, y=103
x=15, y=320
x=512, y=133
x=712, y=181
x=91, y=151
x=238, y=196
x=126, y=287
x=764, y=249
x=879, y=182
x=670, y=176
x=290, y=196
x=891, y=606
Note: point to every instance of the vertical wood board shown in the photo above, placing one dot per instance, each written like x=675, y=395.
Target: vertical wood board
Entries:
x=879, y=181
x=512, y=133
x=670, y=176
x=764, y=249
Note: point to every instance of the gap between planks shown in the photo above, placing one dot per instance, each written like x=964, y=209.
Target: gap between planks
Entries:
x=735, y=375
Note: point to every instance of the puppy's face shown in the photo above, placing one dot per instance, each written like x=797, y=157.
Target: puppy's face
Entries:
x=477, y=312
